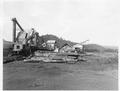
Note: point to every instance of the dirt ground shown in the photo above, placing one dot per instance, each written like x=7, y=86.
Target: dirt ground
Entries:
x=59, y=76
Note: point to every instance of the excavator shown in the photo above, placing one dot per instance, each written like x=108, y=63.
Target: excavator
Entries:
x=23, y=43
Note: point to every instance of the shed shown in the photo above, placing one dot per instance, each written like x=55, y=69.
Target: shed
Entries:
x=51, y=44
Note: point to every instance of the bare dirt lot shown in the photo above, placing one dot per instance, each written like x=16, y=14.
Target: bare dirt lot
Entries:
x=60, y=76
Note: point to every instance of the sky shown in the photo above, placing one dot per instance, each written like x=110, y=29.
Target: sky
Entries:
x=75, y=20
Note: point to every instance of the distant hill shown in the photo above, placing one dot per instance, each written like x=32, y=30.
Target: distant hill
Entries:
x=111, y=48
x=6, y=46
x=93, y=48
x=99, y=48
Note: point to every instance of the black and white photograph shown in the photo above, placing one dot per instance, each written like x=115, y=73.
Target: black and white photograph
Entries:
x=60, y=44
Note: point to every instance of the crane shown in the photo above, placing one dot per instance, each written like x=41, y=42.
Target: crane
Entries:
x=23, y=43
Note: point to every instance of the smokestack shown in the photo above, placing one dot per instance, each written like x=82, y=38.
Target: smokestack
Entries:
x=14, y=29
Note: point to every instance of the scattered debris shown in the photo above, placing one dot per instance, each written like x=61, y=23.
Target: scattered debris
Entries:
x=41, y=56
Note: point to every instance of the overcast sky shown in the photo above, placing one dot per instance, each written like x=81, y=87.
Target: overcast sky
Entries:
x=75, y=20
